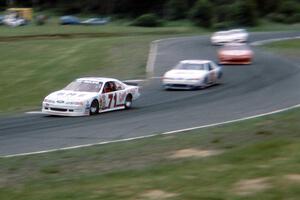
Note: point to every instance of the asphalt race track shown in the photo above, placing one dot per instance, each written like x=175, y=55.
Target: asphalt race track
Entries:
x=270, y=83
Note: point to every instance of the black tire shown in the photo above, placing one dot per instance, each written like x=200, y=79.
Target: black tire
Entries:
x=94, y=108
x=128, y=101
x=206, y=84
x=219, y=78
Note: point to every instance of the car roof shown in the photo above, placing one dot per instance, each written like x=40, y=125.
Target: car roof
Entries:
x=231, y=31
x=98, y=79
x=195, y=61
x=221, y=33
x=238, y=30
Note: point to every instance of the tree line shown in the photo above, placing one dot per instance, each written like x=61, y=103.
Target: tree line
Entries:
x=206, y=13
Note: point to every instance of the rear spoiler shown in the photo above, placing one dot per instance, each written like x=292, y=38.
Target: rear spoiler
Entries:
x=132, y=82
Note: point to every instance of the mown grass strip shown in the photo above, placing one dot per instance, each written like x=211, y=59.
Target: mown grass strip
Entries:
x=288, y=47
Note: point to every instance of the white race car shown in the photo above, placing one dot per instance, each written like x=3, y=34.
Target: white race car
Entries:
x=233, y=35
x=190, y=74
x=90, y=95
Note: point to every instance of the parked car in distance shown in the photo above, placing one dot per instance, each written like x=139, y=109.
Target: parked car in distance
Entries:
x=1, y=19
x=95, y=21
x=69, y=20
x=13, y=20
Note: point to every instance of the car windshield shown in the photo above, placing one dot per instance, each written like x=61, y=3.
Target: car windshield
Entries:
x=238, y=31
x=84, y=86
x=221, y=33
x=190, y=66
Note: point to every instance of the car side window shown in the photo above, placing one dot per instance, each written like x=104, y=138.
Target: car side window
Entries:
x=106, y=88
x=119, y=86
x=109, y=87
x=211, y=66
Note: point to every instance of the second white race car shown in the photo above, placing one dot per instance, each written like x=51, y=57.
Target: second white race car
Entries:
x=91, y=95
x=192, y=74
x=229, y=36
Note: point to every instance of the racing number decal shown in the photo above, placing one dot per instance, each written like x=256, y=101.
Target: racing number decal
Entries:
x=112, y=97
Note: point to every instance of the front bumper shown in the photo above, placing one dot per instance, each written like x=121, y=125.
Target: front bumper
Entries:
x=64, y=110
x=181, y=83
x=235, y=59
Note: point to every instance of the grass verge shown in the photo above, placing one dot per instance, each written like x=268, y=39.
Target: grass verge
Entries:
x=266, y=25
x=289, y=48
x=254, y=159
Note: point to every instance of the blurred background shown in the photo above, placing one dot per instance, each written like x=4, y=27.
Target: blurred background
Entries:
x=206, y=13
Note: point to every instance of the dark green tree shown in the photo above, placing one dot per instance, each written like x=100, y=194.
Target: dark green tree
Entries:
x=202, y=13
x=176, y=9
x=266, y=7
x=147, y=20
x=244, y=13
x=289, y=7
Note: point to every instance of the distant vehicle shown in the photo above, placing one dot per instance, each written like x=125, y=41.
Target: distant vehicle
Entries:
x=69, y=20
x=235, y=53
x=24, y=13
x=233, y=35
x=192, y=74
x=1, y=19
x=95, y=21
x=13, y=20
x=89, y=96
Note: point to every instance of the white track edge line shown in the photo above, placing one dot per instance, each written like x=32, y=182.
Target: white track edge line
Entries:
x=152, y=135
x=262, y=42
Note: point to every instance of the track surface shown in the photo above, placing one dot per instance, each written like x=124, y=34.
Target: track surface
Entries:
x=270, y=83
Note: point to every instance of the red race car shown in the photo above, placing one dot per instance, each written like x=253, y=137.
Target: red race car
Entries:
x=235, y=53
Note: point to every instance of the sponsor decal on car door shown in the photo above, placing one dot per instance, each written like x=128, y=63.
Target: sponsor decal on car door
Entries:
x=111, y=97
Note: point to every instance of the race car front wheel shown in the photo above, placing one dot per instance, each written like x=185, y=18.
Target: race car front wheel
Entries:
x=94, y=109
x=128, y=101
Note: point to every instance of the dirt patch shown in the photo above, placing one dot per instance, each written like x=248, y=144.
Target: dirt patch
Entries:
x=293, y=177
x=157, y=194
x=185, y=153
x=251, y=186
x=265, y=123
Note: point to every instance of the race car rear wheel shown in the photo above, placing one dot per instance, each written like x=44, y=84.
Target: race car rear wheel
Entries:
x=128, y=101
x=94, y=109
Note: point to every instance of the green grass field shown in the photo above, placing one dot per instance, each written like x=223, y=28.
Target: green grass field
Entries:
x=289, y=48
x=265, y=25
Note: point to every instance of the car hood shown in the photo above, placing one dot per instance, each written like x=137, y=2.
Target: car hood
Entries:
x=187, y=74
x=235, y=52
x=68, y=96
